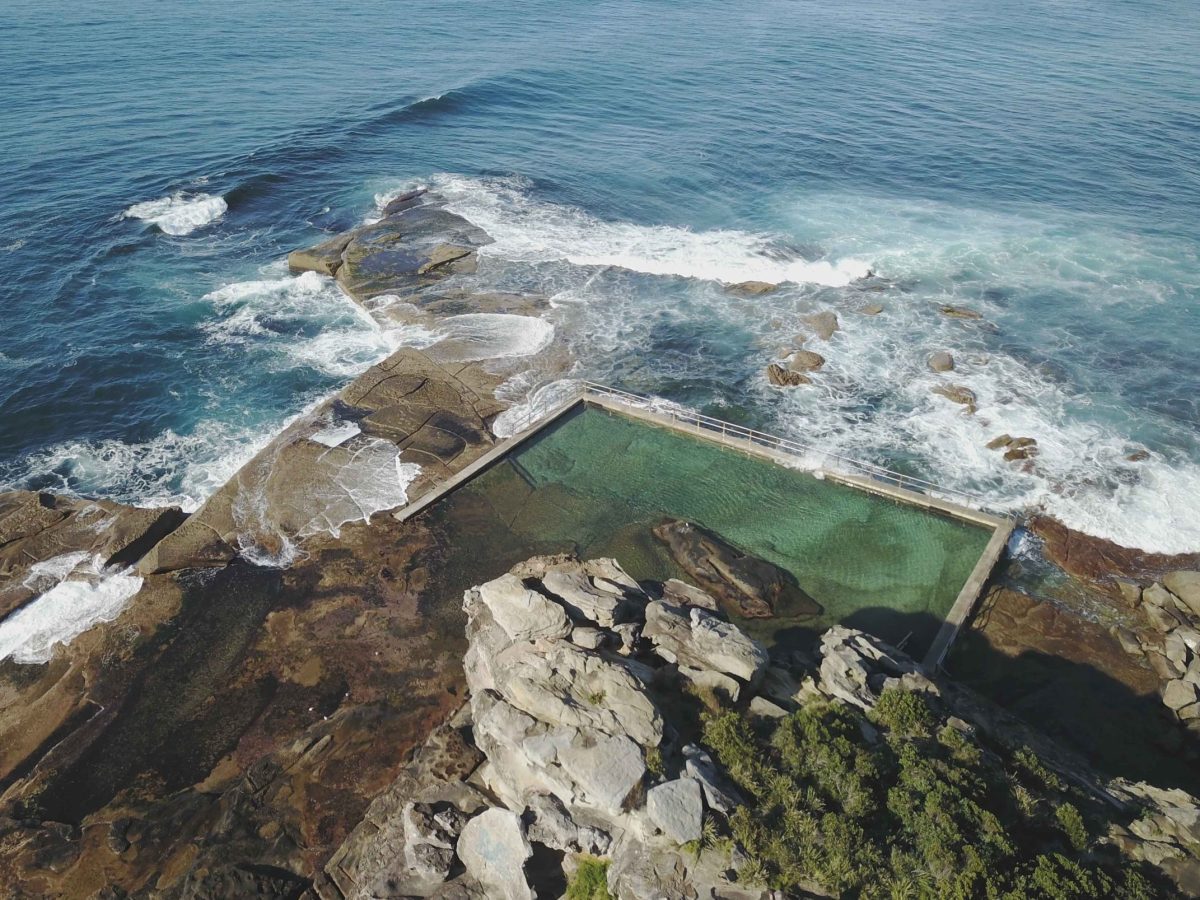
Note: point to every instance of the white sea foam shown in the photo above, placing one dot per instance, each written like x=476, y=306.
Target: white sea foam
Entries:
x=48, y=572
x=169, y=469
x=478, y=336
x=334, y=435
x=532, y=406
x=372, y=480
x=281, y=314
x=65, y=611
x=532, y=231
x=180, y=213
x=1080, y=476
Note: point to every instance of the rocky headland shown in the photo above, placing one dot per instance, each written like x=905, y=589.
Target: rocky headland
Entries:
x=591, y=741
x=289, y=695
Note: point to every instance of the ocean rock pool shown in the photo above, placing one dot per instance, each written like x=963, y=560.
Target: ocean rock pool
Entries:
x=596, y=483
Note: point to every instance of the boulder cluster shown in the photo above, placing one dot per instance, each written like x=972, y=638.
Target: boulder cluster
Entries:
x=1171, y=642
x=584, y=696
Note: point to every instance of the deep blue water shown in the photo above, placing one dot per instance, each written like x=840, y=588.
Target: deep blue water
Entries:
x=1037, y=161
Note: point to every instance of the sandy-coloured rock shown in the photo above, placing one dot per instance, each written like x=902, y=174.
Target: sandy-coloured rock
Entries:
x=494, y=848
x=752, y=288
x=823, y=324
x=1178, y=693
x=325, y=258
x=1186, y=586
x=959, y=312
x=957, y=393
x=781, y=377
x=941, y=361
x=805, y=361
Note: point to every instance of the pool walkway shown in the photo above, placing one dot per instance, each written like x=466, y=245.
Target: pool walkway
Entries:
x=782, y=451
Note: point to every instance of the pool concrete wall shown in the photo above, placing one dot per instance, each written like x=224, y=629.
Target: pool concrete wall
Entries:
x=967, y=597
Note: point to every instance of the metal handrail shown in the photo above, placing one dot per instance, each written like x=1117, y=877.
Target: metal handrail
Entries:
x=798, y=450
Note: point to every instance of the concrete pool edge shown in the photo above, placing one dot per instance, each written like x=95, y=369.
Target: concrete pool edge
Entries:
x=967, y=598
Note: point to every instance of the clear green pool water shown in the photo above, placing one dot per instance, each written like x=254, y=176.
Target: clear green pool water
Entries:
x=596, y=483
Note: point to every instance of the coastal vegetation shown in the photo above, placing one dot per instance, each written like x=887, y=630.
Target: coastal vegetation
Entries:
x=901, y=803
x=590, y=881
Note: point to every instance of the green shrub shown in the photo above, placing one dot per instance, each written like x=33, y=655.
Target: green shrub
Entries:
x=928, y=813
x=590, y=881
x=904, y=713
x=1072, y=825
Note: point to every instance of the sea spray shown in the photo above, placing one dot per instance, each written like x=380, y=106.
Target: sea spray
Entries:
x=84, y=596
x=181, y=213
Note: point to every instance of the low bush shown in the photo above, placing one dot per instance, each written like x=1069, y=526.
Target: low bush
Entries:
x=909, y=808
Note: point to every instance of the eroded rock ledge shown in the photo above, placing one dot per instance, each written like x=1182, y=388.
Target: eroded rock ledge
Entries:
x=580, y=739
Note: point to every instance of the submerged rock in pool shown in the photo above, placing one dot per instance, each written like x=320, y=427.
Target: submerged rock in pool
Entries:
x=745, y=584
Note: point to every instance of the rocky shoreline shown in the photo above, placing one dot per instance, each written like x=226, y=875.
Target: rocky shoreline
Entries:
x=284, y=651
x=579, y=742
x=292, y=701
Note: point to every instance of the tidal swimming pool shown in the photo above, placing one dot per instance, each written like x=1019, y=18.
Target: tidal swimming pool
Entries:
x=596, y=483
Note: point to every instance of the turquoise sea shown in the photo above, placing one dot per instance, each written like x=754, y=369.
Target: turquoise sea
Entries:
x=1036, y=161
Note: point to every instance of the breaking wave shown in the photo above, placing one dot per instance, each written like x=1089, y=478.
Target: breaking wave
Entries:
x=84, y=595
x=531, y=231
x=180, y=213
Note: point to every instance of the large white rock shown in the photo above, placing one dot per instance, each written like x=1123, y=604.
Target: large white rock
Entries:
x=606, y=771
x=1177, y=694
x=493, y=848
x=563, y=685
x=524, y=614
x=1186, y=586
x=695, y=637
x=677, y=809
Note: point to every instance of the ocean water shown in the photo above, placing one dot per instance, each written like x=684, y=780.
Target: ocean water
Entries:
x=1038, y=162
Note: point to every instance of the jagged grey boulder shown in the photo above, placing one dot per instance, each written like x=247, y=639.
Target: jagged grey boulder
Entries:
x=717, y=682
x=642, y=872
x=587, y=638
x=606, y=772
x=695, y=637
x=429, y=838
x=677, y=809
x=856, y=667
x=681, y=593
x=583, y=601
x=549, y=823
x=563, y=685
x=719, y=793
x=493, y=848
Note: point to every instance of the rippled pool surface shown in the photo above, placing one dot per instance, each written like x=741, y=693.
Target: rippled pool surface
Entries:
x=596, y=483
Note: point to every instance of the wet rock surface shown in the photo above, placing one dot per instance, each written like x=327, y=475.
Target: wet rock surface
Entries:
x=750, y=586
x=43, y=537
x=231, y=726
x=414, y=246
